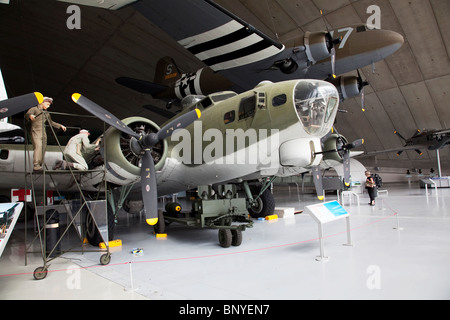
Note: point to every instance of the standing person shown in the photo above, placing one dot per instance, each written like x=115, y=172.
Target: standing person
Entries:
x=370, y=186
x=79, y=146
x=38, y=116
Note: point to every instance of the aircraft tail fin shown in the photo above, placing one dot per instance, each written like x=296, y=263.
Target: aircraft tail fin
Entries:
x=166, y=72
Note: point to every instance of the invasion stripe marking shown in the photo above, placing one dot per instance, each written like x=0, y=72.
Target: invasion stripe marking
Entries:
x=220, y=42
x=210, y=35
x=262, y=45
x=258, y=56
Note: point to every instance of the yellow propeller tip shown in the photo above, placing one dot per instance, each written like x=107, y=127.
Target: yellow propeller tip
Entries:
x=75, y=97
x=152, y=222
x=320, y=198
x=199, y=114
x=39, y=97
x=347, y=184
x=334, y=76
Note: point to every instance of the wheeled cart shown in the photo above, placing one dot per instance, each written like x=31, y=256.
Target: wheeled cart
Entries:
x=222, y=210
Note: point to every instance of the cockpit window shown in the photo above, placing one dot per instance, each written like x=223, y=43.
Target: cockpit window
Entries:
x=247, y=107
x=315, y=103
x=279, y=100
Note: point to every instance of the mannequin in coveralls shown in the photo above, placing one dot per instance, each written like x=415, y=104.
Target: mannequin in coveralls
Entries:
x=77, y=147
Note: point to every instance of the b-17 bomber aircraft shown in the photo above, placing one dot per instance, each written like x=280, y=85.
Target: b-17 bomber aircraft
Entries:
x=273, y=130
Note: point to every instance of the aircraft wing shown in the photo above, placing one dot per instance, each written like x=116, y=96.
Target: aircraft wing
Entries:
x=405, y=148
x=105, y=4
x=442, y=132
x=218, y=38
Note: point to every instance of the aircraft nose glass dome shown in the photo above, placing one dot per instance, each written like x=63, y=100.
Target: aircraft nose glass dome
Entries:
x=316, y=102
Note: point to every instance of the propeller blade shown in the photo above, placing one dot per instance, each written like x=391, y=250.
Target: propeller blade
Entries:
x=318, y=183
x=363, y=101
x=178, y=123
x=346, y=164
x=102, y=114
x=418, y=151
x=148, y=188
x=398, y=134
x=333, y=62
x=355, y=144
x=361, y=85
x=18, y=104
x=399, y=153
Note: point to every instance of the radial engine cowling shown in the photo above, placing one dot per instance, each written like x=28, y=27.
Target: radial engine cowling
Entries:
x=122, y=163
x=348, y=87
x=318, y=46
x=332, y=148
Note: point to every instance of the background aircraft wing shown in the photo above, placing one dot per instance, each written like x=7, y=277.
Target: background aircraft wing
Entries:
x=106, y=4
x=412, y=147
x=215, y=36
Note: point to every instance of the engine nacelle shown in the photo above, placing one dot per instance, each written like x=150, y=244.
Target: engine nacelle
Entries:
x=122, y=163
x=332, y=146
x=348, y=87
x=318, y=45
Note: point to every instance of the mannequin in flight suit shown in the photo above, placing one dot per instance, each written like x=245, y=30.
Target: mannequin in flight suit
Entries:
x=38, y=117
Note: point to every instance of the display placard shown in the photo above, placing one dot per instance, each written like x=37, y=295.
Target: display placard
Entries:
x=9, y=213
x=327, y=211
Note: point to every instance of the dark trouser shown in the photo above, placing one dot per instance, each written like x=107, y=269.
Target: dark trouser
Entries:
x=371, y=192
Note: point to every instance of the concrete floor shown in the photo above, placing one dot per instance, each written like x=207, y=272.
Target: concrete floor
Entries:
x=276, y=261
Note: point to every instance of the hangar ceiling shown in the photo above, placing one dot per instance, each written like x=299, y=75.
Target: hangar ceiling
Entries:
x=408, y=91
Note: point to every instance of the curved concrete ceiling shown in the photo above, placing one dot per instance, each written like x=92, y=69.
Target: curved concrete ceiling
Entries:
x=408, y=91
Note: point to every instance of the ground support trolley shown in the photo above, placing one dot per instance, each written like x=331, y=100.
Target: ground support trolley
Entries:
x=222, y=210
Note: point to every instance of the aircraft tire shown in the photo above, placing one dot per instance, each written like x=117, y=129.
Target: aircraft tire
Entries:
x=160, y=227
x=265, y=205
x=93, y=236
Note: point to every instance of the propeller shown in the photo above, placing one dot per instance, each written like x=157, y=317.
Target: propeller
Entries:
x=142, y=144
x=318, y=183
x=17, y=104
x=361, y=85
x=333, y=43
x=344, y=148
x=406, y=141
x=346, y=158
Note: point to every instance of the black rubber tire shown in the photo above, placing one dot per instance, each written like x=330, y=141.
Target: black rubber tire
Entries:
x=236, y=238
x=40, y=273
x=225, y=238
x=266, y=205
x=160, y=227
x=93, y=236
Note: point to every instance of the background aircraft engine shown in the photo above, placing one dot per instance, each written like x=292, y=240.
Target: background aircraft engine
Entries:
x=123, y=160
x=349, y=87
x=318, y=45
